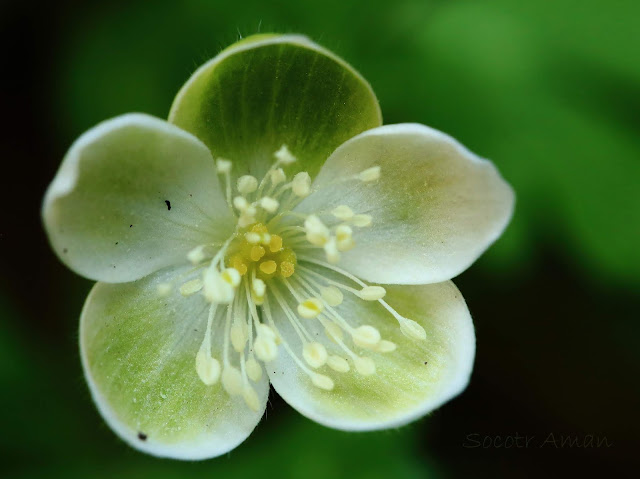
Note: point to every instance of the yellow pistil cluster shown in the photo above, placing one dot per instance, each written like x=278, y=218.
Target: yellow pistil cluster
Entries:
x=258, y=252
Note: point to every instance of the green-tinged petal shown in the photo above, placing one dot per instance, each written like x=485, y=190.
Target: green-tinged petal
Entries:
x=435, y=208
x=270, y=90
x=133, y=195
x=139, y=356
x=409, y=382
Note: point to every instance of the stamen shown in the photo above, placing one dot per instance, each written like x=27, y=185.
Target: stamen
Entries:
x=342, y=212
x=362, y=221
x=232, y=380
x=344, y=239
x=284, y=156
x=310, y=308
x=372, y=293
x=247, y=184
x=223, y=166
x=317, y=232
x=301, y=184
x=366, y=336
x=332, y=295
x=314, y=354
x=269, y=204
x=408, y=327
x=191, y=287
x=277, y=176
x=331, y=250
x=207, y=367
x=338, y=364
x=254, y=370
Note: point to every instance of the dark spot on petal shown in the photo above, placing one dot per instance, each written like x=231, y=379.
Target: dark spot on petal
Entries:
x=425, y=363
x=116, y=242
x=190, y=195
x=65, y=250
x=142, y=436
x=130, y=226
x=168, y=203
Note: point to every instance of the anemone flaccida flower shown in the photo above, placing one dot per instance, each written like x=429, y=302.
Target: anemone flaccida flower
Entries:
x=272, y=231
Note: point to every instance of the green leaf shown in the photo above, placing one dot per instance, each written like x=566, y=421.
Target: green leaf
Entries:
x=271, y=90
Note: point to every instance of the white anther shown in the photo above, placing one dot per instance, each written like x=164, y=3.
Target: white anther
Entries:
x=208, y=368
x=254, y=370
x=277, y=176
x=370, y=174
x=317, y=232
x=344, y=239
x=338, y=364
x=322, y=381
x=310, y=308
x=223, y=166
x=362, y=221
x=250, y=398
x=366, y=336
x=332, y=295
x=163, y=289
x=264, y=330
x=372, y=293
x=314, y=354
x=342, y=212
x=231, y=276
x=247, y=184
x=284, y=156
x=385, y=346
x=216, y=288
x=196, y=255
x=238, y=337
x=412, y=329
x=269, y=204
x=364, y=365
x=331, y=250
x=301, y=184
x=252, y=237
x=265, y=348
x=258, y=288
x=232, y=380
x=191, y=287
x=265, y=344
x=334, y=332
x=246, y=219
x=240, y=203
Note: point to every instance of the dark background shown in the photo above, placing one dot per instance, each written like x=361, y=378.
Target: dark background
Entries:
x=548, y=89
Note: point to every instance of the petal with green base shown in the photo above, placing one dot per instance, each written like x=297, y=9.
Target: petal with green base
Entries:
x=138, y=352
x=270, y=90
x=416, y=378
x=133, y=195
x=435, y=208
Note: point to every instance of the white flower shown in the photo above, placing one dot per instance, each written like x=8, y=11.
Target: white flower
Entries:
x=229, y=254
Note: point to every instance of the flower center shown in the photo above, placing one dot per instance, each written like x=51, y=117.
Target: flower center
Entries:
x=269, y=260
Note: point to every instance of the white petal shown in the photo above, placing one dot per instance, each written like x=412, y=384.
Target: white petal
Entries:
x=436, y=206
x=408, y=382
x=133, y=195
x=139, y=357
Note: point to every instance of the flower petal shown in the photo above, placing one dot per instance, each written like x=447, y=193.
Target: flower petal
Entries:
x=435, y=208
x=138, y=353
x=133, y=195
x=417, y=377
x=270, y=90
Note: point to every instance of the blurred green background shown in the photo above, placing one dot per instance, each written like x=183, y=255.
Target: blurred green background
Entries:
x=548, y=89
